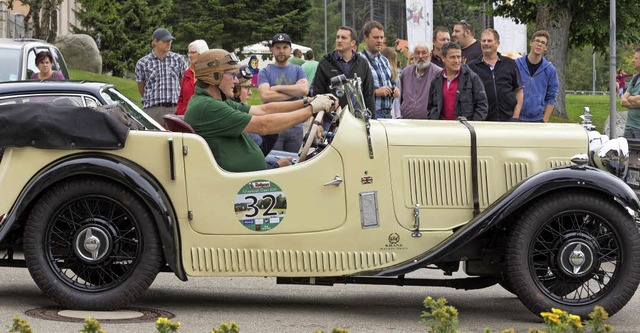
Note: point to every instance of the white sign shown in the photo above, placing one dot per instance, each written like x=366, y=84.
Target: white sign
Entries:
x=513, y=36
x=419, y=22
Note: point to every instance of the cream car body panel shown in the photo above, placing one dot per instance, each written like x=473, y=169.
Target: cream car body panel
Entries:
x=431, y=166
x=380, y=199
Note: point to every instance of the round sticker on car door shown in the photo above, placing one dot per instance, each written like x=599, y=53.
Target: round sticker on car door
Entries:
x=260, y=205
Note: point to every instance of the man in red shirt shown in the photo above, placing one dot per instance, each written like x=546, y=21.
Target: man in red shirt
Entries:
x=458, y=91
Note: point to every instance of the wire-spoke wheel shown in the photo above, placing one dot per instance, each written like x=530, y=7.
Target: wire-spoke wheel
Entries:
x=91, y=244
x=574, y=251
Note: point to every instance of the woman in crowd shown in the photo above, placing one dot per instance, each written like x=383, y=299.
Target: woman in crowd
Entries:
x=391, y=55
x=189, y=78
x=44, y=62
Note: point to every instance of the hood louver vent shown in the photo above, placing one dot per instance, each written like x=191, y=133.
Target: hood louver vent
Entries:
x=445, y=182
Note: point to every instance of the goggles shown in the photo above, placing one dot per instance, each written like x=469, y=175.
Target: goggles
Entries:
x=230, y=59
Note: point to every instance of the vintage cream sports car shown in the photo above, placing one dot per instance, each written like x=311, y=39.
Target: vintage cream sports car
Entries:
x=98, y=210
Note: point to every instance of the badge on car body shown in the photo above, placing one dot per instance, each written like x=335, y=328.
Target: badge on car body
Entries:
x=260, y=205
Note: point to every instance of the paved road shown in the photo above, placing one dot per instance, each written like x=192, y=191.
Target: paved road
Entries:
x=258, y=305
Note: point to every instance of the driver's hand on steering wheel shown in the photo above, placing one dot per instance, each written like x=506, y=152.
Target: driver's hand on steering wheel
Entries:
x=319, y=132
x=321, y=103
x=286, y=161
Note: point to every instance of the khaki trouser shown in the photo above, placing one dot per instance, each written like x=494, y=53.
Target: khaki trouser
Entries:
x=156, y=112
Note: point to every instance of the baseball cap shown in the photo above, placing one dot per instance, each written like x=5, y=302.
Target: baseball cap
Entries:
x=163, y=35
x=280, y=38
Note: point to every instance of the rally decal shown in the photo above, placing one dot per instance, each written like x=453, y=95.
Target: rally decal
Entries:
x=260, y=205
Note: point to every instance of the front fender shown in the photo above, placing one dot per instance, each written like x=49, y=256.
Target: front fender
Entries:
x=115, y=168
x=552, y=180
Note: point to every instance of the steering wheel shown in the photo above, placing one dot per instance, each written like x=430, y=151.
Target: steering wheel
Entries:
x=309, y=136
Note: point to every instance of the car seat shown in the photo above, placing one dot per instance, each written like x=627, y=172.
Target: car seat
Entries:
x=176, y=123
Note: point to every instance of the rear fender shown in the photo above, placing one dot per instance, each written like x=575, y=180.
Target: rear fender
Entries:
x=545, y=182
x=115, y=168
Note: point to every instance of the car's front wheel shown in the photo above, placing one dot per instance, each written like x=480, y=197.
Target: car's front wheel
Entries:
x=91, y=244
x=573, y=251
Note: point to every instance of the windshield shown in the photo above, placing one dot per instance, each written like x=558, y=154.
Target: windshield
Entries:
x=10, y=60
x=112, y=96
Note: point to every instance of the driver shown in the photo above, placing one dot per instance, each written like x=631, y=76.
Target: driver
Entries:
x=225, y=124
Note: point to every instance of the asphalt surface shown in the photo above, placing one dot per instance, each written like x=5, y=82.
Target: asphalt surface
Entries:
x=258, y=305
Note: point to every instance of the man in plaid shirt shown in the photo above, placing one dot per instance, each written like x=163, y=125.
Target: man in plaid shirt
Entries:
x=158, y=75
x=385, y=88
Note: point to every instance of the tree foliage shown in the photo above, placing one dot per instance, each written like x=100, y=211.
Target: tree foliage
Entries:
x=44, y=15
x=125, y=29
x=231, y=24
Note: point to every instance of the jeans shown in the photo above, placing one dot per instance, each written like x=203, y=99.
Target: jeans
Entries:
x=631, y=133
x=290, y=139
x=383, y=114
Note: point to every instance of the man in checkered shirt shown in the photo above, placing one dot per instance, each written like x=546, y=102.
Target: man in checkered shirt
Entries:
x=158, y=75
x=385, y=88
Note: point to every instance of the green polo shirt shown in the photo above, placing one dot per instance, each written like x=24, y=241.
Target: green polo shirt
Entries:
x=221, y=124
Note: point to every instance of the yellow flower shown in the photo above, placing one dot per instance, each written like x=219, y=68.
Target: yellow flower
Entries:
x=557, y=311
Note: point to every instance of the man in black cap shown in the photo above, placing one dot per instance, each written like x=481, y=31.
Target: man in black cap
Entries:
x=283, y=81
x=158, y=75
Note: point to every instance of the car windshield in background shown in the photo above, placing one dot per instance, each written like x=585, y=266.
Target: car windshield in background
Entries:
x=9, y=58
x=112, y=96
x=56, y=99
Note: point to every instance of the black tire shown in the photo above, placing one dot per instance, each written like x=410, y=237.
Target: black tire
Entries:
x=506, y=285
x=91, y=244
x=573, y=251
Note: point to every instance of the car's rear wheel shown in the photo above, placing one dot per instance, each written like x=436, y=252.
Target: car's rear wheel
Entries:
x=91, y=244
x=573, y=251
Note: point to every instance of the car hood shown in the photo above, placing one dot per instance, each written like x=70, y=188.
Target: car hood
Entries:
x=443, y=133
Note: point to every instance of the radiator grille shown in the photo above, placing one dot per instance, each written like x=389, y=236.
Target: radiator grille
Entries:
x=224, y=260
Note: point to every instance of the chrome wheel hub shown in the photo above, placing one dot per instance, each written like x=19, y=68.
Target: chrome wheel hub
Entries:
x=576, y=258
x=92, y=243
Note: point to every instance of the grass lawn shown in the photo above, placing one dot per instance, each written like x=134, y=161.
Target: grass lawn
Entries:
x=599, y=105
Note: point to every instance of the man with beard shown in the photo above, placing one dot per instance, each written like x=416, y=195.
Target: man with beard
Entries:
x=225, y=124
x=416, y=83
x=440, y=37
x=501, y=78
x=344, y=60
x=463, y=35
x=283, y=81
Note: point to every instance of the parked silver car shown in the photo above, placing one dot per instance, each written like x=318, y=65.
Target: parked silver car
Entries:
x=17, y=57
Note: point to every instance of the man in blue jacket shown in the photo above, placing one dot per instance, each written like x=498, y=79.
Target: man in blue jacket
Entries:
x=540, y=81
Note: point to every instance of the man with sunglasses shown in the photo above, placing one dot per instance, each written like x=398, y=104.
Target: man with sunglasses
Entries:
x=283, y=81
x=463, y=35
x=540, y=79
x=225, y=124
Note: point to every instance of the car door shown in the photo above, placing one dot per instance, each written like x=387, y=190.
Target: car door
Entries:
x=287, y=200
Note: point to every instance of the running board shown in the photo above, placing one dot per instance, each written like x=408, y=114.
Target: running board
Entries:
x=463, y=283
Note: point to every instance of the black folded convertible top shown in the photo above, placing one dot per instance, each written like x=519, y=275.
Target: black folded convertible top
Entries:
x=59, y=127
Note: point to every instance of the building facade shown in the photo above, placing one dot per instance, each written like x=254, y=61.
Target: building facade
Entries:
x=12, y=21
